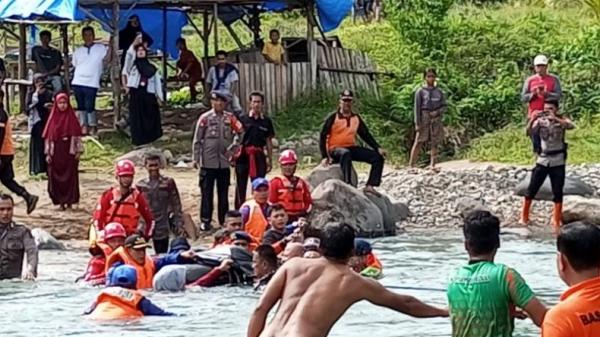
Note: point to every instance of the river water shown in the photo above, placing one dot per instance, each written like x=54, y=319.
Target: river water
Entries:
x=52, y=306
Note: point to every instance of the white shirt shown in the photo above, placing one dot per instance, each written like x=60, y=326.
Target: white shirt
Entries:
x=89, y=64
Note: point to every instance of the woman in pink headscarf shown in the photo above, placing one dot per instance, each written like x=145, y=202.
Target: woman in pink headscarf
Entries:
x=63, y=147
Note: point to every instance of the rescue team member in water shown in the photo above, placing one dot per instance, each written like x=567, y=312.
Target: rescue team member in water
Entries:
x=112, y=238
x=482, y=295
x=133, y=253
x=121, y=300
x=578, y=263
x=289, y=190
x=276, y=236
x=364, y=261
x=233, y=223
x=15, y=241
x=315, y=293
x=124, y=204
x=255, y=211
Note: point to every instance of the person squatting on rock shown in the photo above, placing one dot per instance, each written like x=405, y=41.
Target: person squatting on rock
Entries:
x=216, y=138
x=163, y=198
x=256, y=153
x=15, y=241
x=7, y=154
x=550, y=126
x=338, y=143
x=289, y=190
x=430, y=106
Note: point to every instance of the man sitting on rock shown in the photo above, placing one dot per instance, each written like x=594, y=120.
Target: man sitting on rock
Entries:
x=338, y=143
x=289, y=190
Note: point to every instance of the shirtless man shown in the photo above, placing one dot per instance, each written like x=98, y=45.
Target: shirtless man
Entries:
x=315, y=293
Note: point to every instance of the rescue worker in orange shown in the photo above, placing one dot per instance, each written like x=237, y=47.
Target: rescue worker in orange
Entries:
x=338, y=143
x=289, y=190
x=113, y=237
x=124, y=204
x=255, y=211
x=121, y=299
x=133, y=253
x=364, y=261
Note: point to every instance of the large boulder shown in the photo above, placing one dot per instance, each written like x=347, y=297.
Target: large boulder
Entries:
x=577, y=208
x=392, y=212
x=466, y=205
x=44, y=240
x=322, y=173
x=137, y=156
x=336, y=201
x=573, y=186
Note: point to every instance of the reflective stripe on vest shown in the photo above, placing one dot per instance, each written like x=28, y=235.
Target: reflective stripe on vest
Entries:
x=257, y=223
x=127, y=214
x=145, y=272
x=291, y=196
x=117, y=303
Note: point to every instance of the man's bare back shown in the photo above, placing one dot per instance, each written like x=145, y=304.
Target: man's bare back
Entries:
x=315, y=293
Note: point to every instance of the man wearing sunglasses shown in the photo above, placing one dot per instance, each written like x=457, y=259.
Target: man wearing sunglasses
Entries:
x=338, y=143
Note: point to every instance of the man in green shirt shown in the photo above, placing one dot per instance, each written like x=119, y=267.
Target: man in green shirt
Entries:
x=483, y=295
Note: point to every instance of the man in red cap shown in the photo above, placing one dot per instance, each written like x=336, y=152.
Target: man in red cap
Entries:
x=124, y=204
x=289, y=190
x=338, y=143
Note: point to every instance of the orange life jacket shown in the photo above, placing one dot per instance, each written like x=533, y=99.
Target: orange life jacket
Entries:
x=145, y=272
x=257, y=224
x=127, y=214
x=291, y=196
x=95, y=271
x=343, y=132
x=7, y=148
x=117, y=303
x=373, y=261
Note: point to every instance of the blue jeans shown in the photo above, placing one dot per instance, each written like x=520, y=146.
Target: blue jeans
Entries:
x=86, y=104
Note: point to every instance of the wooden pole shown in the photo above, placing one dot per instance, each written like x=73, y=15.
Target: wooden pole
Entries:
x=216, y=23
x=66, y=61
x=22, y=64
x=310, y=45
x=235, y=37
x=205, y=34
x=165, y=53
x=116, y=64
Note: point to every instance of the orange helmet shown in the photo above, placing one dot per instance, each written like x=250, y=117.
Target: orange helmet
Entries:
x=114, y=230
x=288, y=157
x=124, y=167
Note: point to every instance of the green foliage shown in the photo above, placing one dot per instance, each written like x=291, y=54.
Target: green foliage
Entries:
x=179, y=97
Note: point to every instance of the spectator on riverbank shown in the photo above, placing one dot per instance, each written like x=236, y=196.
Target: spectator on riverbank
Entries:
x=48, y=61
x=190, y=69
x=88, y=61
x=38, y=111
x=62, y=137
x=577, y=263
x=273, y=50
x=2, y=71
x=473, y=303
x=539, y=87
x=223, y=77
x=128, y=34
x=430, y=106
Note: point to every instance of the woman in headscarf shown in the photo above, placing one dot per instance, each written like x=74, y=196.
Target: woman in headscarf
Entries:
x=63, y=148
x=38, y=111
x=145, y=90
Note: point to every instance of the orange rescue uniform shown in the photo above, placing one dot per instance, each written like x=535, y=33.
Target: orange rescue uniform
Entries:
x=292, y=193
x=343, y=131
x=127, y=213
x=145, y=272
x=117, y=303
x=8, y=148
x=257, y=224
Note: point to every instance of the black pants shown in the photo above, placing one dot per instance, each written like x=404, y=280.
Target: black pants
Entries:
x=345, y=156
x=557, y=181
x=242, y=172
x=161, y=246
x=207, y=188
x=7, y=176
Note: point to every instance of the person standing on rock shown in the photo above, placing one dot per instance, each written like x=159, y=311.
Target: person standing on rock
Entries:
x=289, y=190
x=7, y=154
x=163, y=197
x=430, y=106
x=550, y=127
x=254, y=160
x=15, y=241
x=213, y=149
x=482, y=295
x=338, y=143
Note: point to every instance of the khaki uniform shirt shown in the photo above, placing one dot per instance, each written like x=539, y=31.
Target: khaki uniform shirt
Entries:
x=15, y=241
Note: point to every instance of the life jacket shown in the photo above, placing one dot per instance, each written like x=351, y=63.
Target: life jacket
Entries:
x=95, y=271
x=257, y=224
x=127, y=214
x=373, y=261
x=145, y=272
x=343, y=132
x=291, y=196
x=117, y=303
x=374, y=268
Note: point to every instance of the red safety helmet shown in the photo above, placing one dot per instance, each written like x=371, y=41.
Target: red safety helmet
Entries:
x=124, y=167
x=288, y=157
x=114, y=230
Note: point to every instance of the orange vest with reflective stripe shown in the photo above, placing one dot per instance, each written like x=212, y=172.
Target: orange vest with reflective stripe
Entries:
x=145, y=272
x=291, y=196
x=257, y=224
x=8, y=148
x=117, y=303
x=127, y=214
x=343, y=132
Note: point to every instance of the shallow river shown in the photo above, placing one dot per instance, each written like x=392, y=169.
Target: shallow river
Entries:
x=52, y=306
